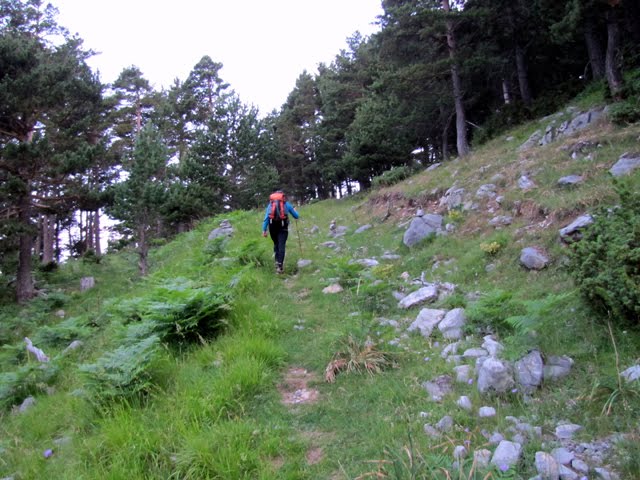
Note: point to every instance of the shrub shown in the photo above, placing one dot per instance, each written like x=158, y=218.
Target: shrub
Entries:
x=392, y=176
x=605, y=264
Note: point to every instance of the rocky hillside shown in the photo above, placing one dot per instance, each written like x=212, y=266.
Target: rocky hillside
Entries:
x=426, y=330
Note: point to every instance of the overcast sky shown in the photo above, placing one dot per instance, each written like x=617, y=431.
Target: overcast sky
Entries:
x=264, y=45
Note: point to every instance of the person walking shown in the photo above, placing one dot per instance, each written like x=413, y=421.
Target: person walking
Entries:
x=276, y=220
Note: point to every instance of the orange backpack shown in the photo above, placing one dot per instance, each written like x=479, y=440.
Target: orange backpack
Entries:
x=277, y=208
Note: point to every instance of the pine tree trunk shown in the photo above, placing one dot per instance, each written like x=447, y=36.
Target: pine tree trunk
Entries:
x=461, y=121
x=506, y=91
x=48, y=238
x=143, y=251
x=523, y=76
x=24, y=281
x=596, y=58
x=614, y=76
x=96, y=233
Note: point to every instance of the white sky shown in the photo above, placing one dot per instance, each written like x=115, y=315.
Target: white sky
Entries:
x=264, y=45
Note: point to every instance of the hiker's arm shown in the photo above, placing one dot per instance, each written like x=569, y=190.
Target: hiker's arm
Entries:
x=292, y=210
x=265, y=222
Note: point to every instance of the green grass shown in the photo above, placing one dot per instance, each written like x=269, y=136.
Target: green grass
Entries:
x=213, y=408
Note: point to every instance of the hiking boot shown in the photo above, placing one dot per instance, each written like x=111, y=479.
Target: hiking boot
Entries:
x=279, y=268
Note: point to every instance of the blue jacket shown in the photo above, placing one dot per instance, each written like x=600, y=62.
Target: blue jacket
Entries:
x=288, y=208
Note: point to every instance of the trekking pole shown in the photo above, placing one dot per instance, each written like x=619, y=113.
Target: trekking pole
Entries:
x=298, y=232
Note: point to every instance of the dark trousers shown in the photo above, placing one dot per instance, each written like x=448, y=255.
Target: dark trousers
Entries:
x=279, y=234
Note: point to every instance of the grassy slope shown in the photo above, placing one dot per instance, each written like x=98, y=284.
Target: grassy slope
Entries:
x=215, y=409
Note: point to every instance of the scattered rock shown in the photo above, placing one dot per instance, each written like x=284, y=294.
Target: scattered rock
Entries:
x=525, y=183
x=494, y=375
x=570, y=180
x=529, y=371
x=534, y=258
x=426, y=321
x=422, y=227
x=501, y=221
x=567, y=431
x=507, y=454
x=87, y=283
x=546, y=466
x=423, y=295
x=557, y=367
x=465, y=403
x=439, y=387
x=335, y=288
x=486, y=412
x=304, y=263
x=631, y=374
x=625, y=164
x=573, y=231
x=363, y=228
x=452, y=324
x=224, y=230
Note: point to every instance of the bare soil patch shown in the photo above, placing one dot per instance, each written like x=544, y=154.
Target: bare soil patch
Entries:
x=294, y=388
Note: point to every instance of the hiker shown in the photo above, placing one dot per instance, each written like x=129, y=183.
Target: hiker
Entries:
x=276, y=218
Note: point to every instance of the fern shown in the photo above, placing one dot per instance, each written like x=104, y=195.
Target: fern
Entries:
x=124, y=372
x=537, y=313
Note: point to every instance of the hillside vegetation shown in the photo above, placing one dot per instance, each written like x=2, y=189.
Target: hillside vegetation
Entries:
x=213, y=367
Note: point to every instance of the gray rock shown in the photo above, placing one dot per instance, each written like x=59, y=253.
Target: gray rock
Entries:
x=486, y=191
x=579, y=466
x=421, y=228
x=439, y=387
x=423, y=295
x=475, y=353
x=567, y=474
x=485, y=412
x=604, y=474
x=26, y=404
x=465, y=403
x=532, y=141
x=445, y=424
x=453, y=198
x=501, y=220
x=390, y=256
x=224, y=230
x=562, y=455
x=452, y=324
x=631, y=374
x=570, y=180
x=463, y=373
x=525, y=183
x=567, y=431
x=367, y=262
x=87, y=283
x=459, y=452
x=329, y=244
x=363, y=228
x=625, y=164
x=573, y=231
x=490, y=345
x=529, y=371
x=426, y=321
x=304, y=263
x=451, y=349
x=335, y=288
x=496, y=438
x=557, y=367
x=482, y=458
x=546, y=466
x=495, y=375
x=506, y=454
x=431, y=431
x=76, y=344
x=534, y=258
